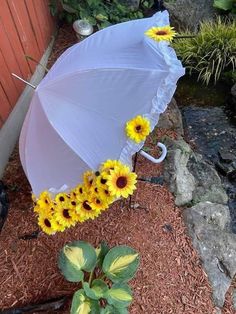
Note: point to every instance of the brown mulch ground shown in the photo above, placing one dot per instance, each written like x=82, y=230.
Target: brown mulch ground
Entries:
x=170, y=278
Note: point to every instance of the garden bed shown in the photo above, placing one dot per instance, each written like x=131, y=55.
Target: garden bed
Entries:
x=170, y=278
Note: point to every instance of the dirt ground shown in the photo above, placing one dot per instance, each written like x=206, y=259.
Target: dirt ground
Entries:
x=170, y=278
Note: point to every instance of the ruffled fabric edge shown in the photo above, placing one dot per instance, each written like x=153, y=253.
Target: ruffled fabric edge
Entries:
x=163, y=95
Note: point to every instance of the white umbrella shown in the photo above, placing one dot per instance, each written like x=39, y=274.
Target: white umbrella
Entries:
x=78, y=113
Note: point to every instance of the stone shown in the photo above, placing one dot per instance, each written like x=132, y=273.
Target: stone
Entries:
x=216, y=246
x=172, y=118
x=190, y=178
x=180, y=180
x=226, y=156
x=208, y=185
x=232, y=99
x=234, y=298
x=132, y=3
x=189, y=13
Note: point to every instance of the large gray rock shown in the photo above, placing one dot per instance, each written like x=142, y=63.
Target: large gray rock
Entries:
x=208, y=225
x=171, y=119
x=176, y=174
x=188, y=13
x=190, y=178
x=208, y=185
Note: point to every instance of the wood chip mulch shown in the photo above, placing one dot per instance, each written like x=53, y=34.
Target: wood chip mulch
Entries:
x=170, y=278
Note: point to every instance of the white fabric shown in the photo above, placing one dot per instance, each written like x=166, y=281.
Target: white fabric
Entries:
x=78, y=113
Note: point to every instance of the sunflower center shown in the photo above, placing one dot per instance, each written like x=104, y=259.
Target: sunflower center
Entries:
x=138, y=128
x=91, y=182
x=121, y=182
x=46, y=201
x=86, y=205
x=106, y=192
x=61, y=199
x=66, y=213
x=103, y=181
x=47, y=223
x=97, y=173
x=81, y=190
x=73, y=203
x=98, y=202
x=161, y=33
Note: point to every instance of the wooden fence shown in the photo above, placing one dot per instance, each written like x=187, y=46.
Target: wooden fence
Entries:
x=26, y=27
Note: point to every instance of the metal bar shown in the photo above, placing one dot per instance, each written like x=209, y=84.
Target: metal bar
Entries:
x=21, y=79
x=156, y=160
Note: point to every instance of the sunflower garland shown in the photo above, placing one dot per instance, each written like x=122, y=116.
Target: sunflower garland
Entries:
x=87, y=200
x=161, y=33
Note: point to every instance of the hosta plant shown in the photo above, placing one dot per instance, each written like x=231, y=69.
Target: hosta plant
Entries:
x=102, y=275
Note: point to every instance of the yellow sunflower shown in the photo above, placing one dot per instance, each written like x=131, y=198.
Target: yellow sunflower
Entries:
x=57, y=226
x=121, y=182
x=98, y=203
x=85, y=210
x=45, y=222
x=161, y=33
x=138, y=128
x=44, y=200
x=105, y=194
x=101, y=180
x=65, y=215
x=62, y=198
x=110, y=165
x=88, y=179
x=78, y=191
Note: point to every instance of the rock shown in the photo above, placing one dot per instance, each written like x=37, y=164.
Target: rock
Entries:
x=217, y=247
x=227, y=169
x=132, y=3
x=188, y=13
x=180, y=180
x=190, y=178
x=172, y=118
x=232, y=99
x=217, y=311
x=226, y=156
x=208, y=185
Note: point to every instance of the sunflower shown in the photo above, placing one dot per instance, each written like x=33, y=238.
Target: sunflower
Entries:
x=85, y=209
x=121, y=182
x=44, y=200
x=161, y=33
x=57, y=226
x=105, y=195
x=88, y=179
x=78, y=191
x=98, y=203
x=45, y=222
x=110, y=165
x=101, y=180
x=138, y=128
x=65, y=215
x=62, y=198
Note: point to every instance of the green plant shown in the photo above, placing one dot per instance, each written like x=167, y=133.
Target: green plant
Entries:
x=210, y=52
x=225, y=5
x=103, y=274
x=97, y=12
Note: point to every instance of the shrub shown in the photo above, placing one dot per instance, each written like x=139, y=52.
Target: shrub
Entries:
x=103, y=274
x=211, y=52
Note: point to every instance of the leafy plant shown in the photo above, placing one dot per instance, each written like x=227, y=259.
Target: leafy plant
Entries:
x=103, y=274
x=97, y=12
x=225, y=5
x=210, y=52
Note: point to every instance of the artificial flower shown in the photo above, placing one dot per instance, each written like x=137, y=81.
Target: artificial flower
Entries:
x=62, y=198
x=98, y=203
x=161, y=33
x=44, y=200
x=138, y=128
x=110, y=165
x=88, y=179
x=45, y=222
x=121, y=182
x=85, y=210
x=65, y=215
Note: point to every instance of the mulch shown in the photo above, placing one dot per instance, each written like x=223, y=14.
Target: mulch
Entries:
x=170, y=278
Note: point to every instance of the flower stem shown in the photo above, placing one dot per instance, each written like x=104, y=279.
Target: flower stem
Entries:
x=91, y=277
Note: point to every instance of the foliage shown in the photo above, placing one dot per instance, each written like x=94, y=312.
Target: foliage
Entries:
x=211, y=52
x=225, y=5
x=97, y=12
x=106, y=291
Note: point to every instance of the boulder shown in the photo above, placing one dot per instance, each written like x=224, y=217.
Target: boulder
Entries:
x=190, y=178
x=172, y=119
x=188, y=13
x=207, y=225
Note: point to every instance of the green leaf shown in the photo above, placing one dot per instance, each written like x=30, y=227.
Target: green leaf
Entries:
x=98, y=289
x=74, y=258
x=101, y=17
x=223, y=4
x=120, y=295
x=83, y=305
x=121, y=263
x=101, y=251
x=109, y=309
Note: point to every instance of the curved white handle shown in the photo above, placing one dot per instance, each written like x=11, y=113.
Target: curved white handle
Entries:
x=156, y=160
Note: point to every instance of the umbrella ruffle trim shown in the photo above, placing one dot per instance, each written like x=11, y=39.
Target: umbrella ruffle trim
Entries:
x=159, y=102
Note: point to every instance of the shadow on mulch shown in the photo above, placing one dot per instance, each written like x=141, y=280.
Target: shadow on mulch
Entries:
x=170, y=278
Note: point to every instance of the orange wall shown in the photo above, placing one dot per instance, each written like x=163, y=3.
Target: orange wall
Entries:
x=26, y=27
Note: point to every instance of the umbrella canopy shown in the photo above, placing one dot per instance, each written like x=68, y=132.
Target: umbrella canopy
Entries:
x=78, y=113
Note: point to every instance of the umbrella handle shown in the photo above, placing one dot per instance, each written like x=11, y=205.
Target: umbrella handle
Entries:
x=156, y=160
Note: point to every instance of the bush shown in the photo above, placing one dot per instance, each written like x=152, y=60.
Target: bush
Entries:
x=211, y=52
